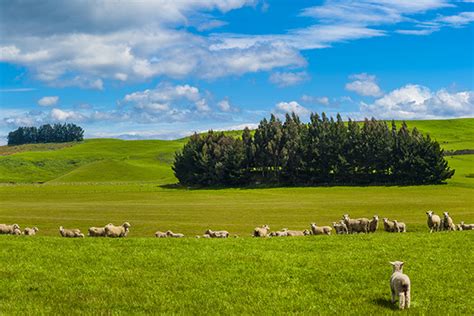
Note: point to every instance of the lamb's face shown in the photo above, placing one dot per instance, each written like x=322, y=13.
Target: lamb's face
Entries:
x=35, y=229
x=385, y=220
x=446, y=214
x=15, y=226
x=376, y=217
x=397, y=266
x=345, y=216
x=313, y=225
x=306, y=232
x=266, y=227
x=429, y=213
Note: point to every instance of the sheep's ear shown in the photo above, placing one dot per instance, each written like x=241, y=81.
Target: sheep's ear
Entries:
x=401, y=264
x=392, y=263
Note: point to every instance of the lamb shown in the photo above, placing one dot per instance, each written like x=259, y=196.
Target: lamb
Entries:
x=434, y=221
x=8, y=229
x=70, y=233
x=261, y=231
x=16, y=232
x=97, y=231
x=388, y=225
x=217, y=233
x=30, y=231
x=296, y=233
x=373, y=223
x=281, y=233
x=448, y=223
x=400, y=285
x=159, y=234
x=117, y=231
x=358, y=225
x=169, y=233
x=320, y=230
x=399, y=226
x=466, y=226
x=459, y=227
x=340, y=227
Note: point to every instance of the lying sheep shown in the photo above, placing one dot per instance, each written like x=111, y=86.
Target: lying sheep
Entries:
x=281, y=233
x=358, y=225
x=169, y=233
x=373, y=223
x=8, y=229
x=399, y=226
x=217, y=233
x=30, y=231
x=459, y=227
x=388, y=225
x=16, y=232
x=70, y=233
x=448, y=223
x=434, y=221
x=117, y=231
x=400, y=285
x=97, y=231
x=296, y=233
x=320, y=230
x=261, y=231
x=466, y=226
x=159, y=234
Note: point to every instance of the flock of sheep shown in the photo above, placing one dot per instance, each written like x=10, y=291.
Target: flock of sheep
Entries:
x=346, y=225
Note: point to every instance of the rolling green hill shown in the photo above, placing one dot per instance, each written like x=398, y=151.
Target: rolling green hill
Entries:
x=113, y=160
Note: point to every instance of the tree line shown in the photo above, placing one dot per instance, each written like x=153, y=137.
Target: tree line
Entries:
x=324, y=151
x=57, y=133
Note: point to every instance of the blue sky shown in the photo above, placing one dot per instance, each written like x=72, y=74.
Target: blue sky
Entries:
x=164, y=69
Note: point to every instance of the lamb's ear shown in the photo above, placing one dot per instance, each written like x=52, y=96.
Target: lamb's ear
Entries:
x=401, y=264
x=392, y=263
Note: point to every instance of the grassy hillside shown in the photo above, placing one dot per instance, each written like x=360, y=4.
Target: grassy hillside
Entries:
x=345, y=275
x=113, y=160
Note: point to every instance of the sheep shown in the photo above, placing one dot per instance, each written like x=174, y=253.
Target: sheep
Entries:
x=97, y=231
x=388, y=225
x=206, y=236
x=459, y=227
x=8, y=229
x=296, y=233
x=70, y=233
x=17, y=232
x=373, y=223
x=320, y=230
x=281, y=233
x=159, y=234
x=448, y=223
x=358, y=225
x=400, y=285
x=217, y=233
x=261, y=231
x=117, y=231
x=466, y=226
x=30, y=231
x=433, y=221
x=169, y=233
x=399, y=226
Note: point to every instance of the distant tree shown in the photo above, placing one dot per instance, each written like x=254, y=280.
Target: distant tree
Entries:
x=46, y=134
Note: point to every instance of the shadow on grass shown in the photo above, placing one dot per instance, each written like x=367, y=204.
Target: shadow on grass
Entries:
x=386, y=303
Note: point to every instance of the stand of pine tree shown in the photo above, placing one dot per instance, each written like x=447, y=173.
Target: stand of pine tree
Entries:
x=322, y=152
x=57, y=133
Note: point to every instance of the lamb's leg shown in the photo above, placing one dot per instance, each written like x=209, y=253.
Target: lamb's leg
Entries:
x=401, y=300
x=393, y=296
x=407, y=299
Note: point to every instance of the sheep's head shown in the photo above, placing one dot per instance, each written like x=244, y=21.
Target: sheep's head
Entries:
x=395, y=222
x=446, y=214
x=61, y=228
x=376, y=217
x=385, y=220
x=397, y=266
x=313, y=225
x=126, y=225
x=208, y=232
x=334, y=224
x=35, y=229
x=345, y=216
x=169, y=232
x=15, y=226
x=306, y=232
x=462, y=223
x=429, y=213
x=266, y=227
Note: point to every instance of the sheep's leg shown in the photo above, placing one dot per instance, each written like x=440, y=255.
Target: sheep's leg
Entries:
x=393, y=296
x=401, y=300
x=407, y=299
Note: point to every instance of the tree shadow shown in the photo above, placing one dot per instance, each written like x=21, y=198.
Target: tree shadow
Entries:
x=386, y=303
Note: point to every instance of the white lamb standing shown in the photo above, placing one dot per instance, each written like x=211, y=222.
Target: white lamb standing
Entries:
x=400, y=285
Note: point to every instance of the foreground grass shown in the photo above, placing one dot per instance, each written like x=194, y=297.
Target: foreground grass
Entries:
x=309, y=275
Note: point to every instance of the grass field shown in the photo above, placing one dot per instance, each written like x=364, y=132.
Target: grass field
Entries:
x=101, y=181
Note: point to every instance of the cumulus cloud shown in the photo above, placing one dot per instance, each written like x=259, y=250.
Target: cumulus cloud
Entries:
x=60, y=115
x=364, y=84
x=285, y=79
x=291, y=107
x=225, y=106
x=317, y=100
x=419, y=102
x=48, y=101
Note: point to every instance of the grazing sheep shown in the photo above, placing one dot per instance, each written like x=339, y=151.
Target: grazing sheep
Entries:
x=358, y=225
x=388, y=225
x=97, y=231
x=117, y=231
x=16, y=232
x=30, y=231
x=434, y=221
x=217, y=233
x=448, y=223
x=320, y=230
x=261, y=231
x=159, y=234
x=169, y=233
x=466, y=226
x=400, y=285
x=70, y=233
x=373, y=223
x=8, y=229
x=399, y=226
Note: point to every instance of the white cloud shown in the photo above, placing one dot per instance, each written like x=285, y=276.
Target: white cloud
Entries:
x=291, y=107
x=419, y=102
x=202, y=106
x=60, y=115
x=364, y=84
x=225, y=106
x=48, y=101
x=317, y=100
x=285, y=79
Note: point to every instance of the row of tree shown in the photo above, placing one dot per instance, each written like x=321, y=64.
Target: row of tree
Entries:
x=57, y=133
x=321, y=152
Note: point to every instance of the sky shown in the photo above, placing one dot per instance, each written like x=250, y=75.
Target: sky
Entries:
x=164, y=69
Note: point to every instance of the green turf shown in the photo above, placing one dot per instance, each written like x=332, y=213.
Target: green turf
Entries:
x=343, y=275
